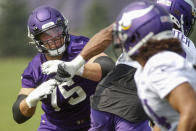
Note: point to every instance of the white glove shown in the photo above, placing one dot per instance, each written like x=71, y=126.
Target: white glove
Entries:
x=41, y=92
x=66, y=70
x=50, y=66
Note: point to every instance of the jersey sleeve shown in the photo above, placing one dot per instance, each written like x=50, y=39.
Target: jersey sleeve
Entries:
x=32, y=75
x=167, y=75
x=27, y=78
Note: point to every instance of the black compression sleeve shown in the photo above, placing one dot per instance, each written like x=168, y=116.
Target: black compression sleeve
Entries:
x=106, y=64
x=17, y=115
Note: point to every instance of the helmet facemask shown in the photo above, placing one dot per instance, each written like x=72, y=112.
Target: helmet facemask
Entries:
x=52, y=41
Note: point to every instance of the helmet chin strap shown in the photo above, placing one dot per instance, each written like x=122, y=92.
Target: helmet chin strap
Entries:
x=57, y=52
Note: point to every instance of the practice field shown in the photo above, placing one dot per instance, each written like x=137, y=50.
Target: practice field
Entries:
x=10, y=84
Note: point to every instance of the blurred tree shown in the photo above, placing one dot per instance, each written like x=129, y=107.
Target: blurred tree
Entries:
x=96, y=18
x=13, y=31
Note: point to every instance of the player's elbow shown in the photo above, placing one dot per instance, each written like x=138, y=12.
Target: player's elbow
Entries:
x=16, y=116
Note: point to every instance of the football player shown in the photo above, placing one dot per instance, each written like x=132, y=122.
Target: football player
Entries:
x=183, y=15
x=66, y=105
x=165, y=81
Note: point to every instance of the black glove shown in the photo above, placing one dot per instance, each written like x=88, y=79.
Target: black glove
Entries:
x=62, y=75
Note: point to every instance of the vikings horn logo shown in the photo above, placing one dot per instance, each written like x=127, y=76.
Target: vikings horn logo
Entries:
x=128, y=17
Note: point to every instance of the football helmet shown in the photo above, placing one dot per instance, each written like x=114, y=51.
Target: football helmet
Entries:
x=139, y=22
x=47, y=27
x=182, y=13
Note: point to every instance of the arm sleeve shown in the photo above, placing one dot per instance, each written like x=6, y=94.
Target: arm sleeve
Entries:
x=106, y=64
x=17, y=115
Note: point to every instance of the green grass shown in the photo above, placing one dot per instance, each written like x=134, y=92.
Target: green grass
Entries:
x=10, y=84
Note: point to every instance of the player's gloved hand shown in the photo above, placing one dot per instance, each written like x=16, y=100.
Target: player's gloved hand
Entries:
x=41, y=92
x=67, y=70
x=50, y=66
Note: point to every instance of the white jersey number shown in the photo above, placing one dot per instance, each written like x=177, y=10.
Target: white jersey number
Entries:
x=67, y=94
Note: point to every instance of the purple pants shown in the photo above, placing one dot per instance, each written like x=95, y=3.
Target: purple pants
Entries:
x=103, y=121
x=45, y=125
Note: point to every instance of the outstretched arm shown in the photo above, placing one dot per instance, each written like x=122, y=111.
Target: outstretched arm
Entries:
x=97, y=67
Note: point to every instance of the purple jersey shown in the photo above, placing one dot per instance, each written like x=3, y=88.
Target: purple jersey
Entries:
x=67, y=107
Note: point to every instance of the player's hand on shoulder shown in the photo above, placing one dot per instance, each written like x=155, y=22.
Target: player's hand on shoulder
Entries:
x=50, y=66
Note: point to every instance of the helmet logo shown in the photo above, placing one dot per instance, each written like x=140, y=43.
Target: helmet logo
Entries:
x=164, y=2
x=45, y=26
x=126, y=27
x=128, y=17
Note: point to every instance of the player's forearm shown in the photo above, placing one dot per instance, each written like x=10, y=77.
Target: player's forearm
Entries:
x=98, y=43
x=92, y=71
x=26, y=110
x=187, y=122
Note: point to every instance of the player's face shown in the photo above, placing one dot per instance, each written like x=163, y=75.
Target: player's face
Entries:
x=53, y=38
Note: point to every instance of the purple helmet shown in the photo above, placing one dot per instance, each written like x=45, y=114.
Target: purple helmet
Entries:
x=48, y=20
x=182, y=13
x=139, y=22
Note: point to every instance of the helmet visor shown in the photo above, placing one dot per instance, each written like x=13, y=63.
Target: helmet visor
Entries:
x=52, y=38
